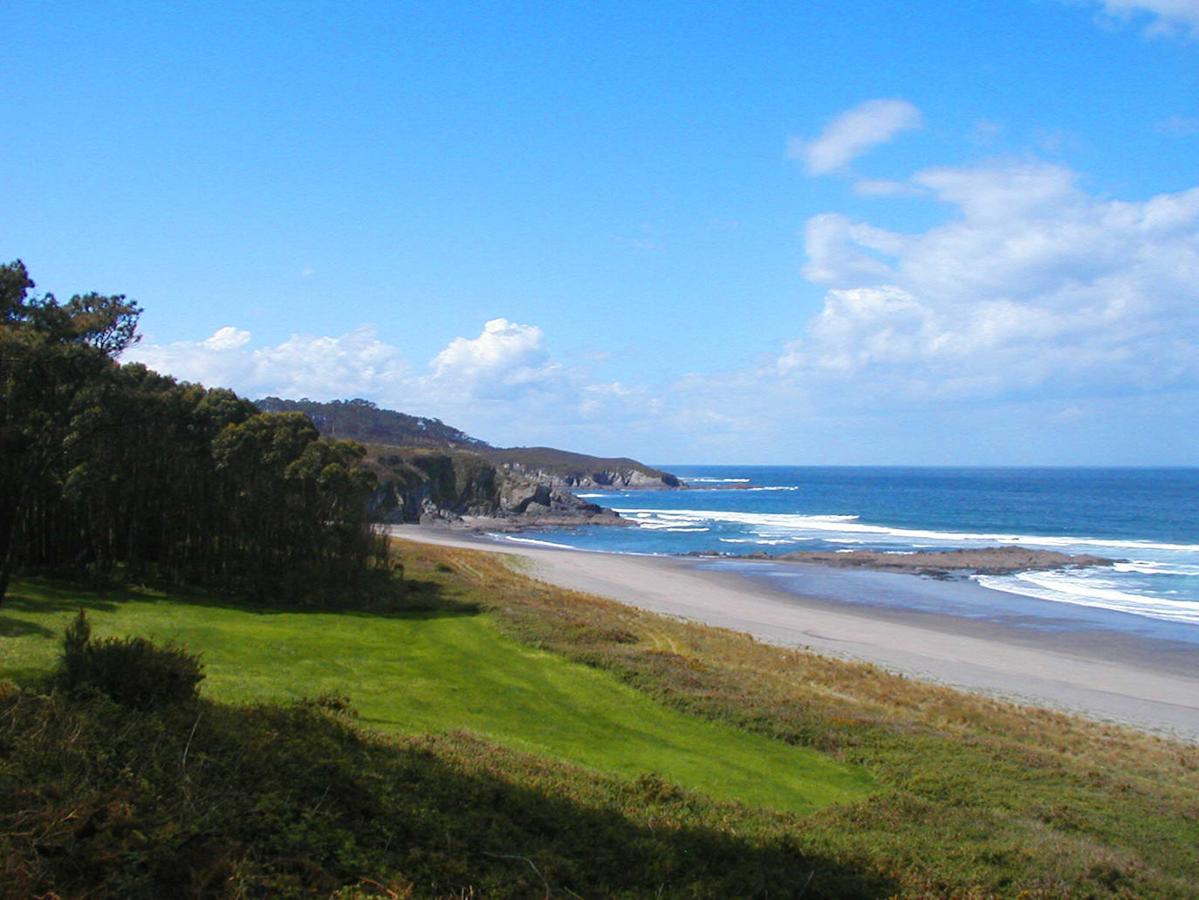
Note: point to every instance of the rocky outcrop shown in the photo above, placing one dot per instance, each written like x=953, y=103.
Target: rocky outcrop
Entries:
x=425, y=486
x=363, y=421
x=984, y=561
x=630, y=476
x=462, y=488
x=535, y=499
x=621, y=478
x=430, y=472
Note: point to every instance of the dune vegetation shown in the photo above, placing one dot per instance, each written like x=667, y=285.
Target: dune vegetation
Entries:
x=511, y=738
x=441, y=670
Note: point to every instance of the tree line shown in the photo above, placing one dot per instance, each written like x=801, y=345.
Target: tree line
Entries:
x=110, y=469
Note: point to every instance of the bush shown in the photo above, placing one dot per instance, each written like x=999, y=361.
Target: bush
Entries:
x=132, y=671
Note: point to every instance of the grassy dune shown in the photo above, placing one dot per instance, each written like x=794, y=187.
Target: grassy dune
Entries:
x=966, y=796
x=974, y=796
x=437, y=672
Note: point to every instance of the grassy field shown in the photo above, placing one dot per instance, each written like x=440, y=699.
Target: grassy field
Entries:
x=975, y=796
x=970, y=796
x=437, y=672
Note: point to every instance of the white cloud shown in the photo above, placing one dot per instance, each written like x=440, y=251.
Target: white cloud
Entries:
x=503, y=359
x=1166, y=17
x=354, y=363
x=1032, y=285
x=505, y=355
x=839, y=249
x=227, y=338
x=1034, y=301
x=853, y=133
x=873, y=187
x=477, y=383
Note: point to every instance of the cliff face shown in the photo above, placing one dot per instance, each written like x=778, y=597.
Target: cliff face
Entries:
x=572, y=471
x=429, y=486
x=421, y=484
x=428, y=471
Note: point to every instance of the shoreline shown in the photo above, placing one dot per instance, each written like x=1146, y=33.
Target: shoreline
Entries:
x=1145, y=683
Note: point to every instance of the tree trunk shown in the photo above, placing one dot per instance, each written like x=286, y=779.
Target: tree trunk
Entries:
x=8, y=517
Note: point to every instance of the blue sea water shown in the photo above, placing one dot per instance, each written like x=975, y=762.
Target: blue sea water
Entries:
x=1147, y=518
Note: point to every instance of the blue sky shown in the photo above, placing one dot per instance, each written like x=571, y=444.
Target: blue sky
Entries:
x=780, y=233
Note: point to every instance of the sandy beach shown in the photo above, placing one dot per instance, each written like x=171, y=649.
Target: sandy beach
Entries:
x=1147, y=684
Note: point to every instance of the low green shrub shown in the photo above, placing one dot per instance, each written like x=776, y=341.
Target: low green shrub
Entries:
x=132, y=671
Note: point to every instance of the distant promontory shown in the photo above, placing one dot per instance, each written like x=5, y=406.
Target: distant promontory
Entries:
x=433, y=473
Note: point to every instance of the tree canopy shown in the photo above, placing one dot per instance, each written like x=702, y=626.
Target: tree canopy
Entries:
x=110, y=468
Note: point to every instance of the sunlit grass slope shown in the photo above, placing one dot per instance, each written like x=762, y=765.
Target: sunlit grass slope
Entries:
x=971, y=796
x=437, y=672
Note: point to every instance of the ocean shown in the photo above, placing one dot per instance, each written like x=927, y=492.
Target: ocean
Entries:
x=1146, y=518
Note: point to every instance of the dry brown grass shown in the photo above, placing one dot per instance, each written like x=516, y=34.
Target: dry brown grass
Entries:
x=983, y=797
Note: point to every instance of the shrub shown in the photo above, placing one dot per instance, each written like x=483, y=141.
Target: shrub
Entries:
x=132, y=671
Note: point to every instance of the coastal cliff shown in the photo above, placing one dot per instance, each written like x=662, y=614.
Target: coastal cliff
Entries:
x=433, y=473
x=573, y=471
x=458, y=487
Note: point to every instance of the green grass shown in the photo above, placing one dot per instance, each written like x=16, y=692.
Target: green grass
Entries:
x=971, y=796
x=211, y=800
x=439, y=672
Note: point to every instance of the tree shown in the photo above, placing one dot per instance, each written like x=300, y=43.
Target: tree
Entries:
x=51, y=354
x=110, y=469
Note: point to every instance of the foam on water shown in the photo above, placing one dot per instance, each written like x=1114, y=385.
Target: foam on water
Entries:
x=524, y=540
x=1145, y=519
x=515, y=539
x=1117, y=592
x=1082, y=590
x=1147, y=567
x=849, y=524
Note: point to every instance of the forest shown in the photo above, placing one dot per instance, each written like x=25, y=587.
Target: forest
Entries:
x=115, y=472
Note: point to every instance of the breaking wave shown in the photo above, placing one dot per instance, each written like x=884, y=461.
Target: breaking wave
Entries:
x=525, y=540
x=1158, y=580
x=1088, y=588
x=844, y=526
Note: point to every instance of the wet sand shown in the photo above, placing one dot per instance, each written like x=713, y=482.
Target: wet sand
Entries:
x=1145, y=683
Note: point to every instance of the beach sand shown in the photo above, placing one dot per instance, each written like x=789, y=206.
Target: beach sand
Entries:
x=1140, y=682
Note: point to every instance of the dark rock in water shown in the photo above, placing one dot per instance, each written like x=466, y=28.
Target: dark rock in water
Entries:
x=942, y=563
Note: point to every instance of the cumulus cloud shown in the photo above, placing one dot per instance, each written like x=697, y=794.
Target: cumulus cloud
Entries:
x=874, y=187
x=1166, y=17
x=504, y=356
x=320, y=367
x=227, y=338
x=476, y=382
x=839, y=249
x=1033, y=300
x=1033, y=284
x=853, y=133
